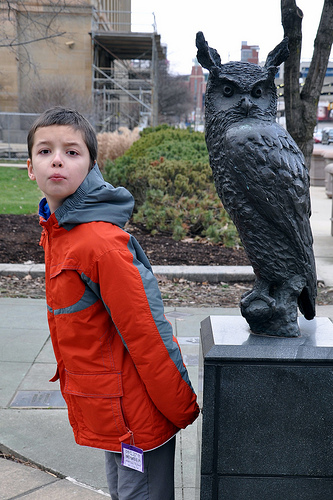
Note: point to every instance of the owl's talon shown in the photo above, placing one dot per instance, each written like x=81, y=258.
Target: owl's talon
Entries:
x=256, y=305
x=253, y=295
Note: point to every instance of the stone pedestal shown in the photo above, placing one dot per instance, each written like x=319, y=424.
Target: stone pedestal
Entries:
x=317, y=168
x=267, y=429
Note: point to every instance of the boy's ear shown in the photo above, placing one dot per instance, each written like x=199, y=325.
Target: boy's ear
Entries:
x=31, y=173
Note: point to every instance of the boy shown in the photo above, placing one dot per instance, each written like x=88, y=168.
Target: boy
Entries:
x=120, y=368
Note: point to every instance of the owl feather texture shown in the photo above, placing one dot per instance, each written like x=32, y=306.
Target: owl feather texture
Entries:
x=263, y=183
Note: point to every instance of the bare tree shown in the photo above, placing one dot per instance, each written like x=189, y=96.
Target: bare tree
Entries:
x=55, y=91
x=173, y=96
x=40, y=25
x=301, y=103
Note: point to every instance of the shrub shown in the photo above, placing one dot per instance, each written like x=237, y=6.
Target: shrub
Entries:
x=111, y=145
x=168, y=173
x=168, y=142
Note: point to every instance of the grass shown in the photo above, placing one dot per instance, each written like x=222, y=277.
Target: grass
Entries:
x=18, y=194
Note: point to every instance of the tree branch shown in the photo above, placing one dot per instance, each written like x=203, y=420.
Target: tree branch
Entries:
x=301, y=104
x=15, y=44
x=292, y=18
x=321, y=54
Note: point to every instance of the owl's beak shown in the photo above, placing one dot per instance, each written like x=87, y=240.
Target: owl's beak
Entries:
x=246, y=105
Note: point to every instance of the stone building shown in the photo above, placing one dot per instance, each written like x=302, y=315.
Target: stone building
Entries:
x=81, y=53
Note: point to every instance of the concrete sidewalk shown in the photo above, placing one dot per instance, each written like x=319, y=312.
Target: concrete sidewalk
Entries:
x=33, y=419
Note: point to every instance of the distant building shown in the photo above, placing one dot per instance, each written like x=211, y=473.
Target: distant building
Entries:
x=305, y=66
x=197, y=84
x=250, y=53
x=325, y=105
x=85, y=47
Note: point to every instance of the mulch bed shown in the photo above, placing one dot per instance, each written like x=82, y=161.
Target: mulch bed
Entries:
x=19, y=243
x=20, y=234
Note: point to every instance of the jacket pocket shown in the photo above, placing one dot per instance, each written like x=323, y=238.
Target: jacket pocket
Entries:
x=65, y=290
x=96, y=399
x=94, y=385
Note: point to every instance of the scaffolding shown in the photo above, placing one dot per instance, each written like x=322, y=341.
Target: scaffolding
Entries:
x=124, y=71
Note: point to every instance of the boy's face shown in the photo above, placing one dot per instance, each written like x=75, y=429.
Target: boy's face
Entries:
x=59, y=162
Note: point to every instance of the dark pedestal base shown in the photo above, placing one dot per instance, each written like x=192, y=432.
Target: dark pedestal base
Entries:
x=267, y=429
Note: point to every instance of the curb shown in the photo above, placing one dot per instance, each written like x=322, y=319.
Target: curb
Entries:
x=21, y=270
x=210, y=274
x=199, y=274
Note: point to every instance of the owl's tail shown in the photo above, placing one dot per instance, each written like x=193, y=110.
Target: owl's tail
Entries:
x=307, y=301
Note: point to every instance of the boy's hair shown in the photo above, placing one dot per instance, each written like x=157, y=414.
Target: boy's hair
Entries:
x=63, y=116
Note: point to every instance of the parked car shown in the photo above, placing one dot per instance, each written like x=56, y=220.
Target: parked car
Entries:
x=317, y=136
x=327, y=136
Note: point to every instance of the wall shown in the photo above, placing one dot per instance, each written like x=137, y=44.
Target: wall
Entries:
x=66, y=58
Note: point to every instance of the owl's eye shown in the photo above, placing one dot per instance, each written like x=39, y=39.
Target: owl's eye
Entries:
x=257, y=92
x=227, y=90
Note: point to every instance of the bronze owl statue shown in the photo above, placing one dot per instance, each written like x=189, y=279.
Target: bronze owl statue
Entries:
x=263, y=183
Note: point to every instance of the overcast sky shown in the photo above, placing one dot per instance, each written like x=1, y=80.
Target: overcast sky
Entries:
x=225, y=25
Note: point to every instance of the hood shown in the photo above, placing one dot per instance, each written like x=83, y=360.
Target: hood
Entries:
x=94, y=200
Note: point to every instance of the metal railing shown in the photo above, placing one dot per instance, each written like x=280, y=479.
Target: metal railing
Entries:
x=124, y=21
x=14, y=129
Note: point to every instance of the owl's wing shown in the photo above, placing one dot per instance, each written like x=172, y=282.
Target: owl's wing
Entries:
x=269, y=169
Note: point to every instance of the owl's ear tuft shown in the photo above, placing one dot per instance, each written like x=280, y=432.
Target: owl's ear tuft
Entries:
x=207, y=56
x=278, y=55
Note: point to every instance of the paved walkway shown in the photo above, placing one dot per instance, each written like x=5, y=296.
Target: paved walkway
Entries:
x=33, y=419
x=23, y=166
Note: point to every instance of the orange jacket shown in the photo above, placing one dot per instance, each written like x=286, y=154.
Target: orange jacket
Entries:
x=120, y=368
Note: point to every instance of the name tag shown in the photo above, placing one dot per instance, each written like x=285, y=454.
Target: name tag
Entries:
x=132, y=457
